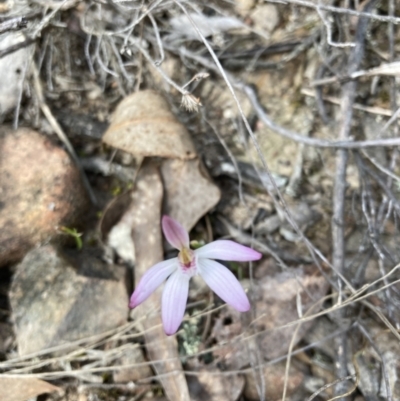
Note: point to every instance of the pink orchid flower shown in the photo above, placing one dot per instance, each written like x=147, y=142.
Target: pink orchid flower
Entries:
x=189, y=263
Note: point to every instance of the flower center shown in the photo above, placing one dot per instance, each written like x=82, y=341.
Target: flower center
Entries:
x=187, y=260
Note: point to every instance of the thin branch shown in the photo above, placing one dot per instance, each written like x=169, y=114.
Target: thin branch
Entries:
x=32, y=38
x=334, y=383
x=389, y=193
x=380, y=111
x=339, y=192
x=158, y=38
x=58, y=130
x=16, y=46
x=321, y=143
x=328, y=28
x=339, y=10
x=250, y=92
x=13, y=24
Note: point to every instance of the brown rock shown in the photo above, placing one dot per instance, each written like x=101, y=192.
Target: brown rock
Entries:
x=40, y=190
x=55, y=300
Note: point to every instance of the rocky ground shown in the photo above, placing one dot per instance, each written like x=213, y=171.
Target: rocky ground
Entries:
x=274, y=124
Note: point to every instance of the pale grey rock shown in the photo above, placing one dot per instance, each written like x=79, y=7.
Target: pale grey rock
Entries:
x=56, y=299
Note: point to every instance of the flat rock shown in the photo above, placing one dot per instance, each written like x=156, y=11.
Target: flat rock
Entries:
x=56, y=299
x=40, y=191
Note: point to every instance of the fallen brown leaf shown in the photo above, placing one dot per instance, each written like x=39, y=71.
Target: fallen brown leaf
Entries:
x=273, y=382
x=143, y=125
x=276, y=305
x=189, y=192
x=276, y=299
x=23, y=388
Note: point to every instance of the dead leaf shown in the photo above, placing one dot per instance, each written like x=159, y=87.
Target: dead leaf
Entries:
x=189, y=193
x=144, y=125
x=23, y=388
x=147, y=238
x=273, y=379
x=277, y=299
x=214, y=387
x=369, y=364
x=277, y=305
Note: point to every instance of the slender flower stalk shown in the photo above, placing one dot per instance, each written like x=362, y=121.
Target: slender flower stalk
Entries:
x=190, y=262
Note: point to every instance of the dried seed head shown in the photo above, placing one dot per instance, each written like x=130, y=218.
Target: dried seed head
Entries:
x=200, y=76
x=190, y=103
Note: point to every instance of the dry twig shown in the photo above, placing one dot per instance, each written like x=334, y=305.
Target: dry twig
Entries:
x=60, y=133
x=339, y=193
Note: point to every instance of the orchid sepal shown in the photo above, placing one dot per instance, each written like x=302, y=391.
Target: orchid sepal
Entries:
x=189, y=263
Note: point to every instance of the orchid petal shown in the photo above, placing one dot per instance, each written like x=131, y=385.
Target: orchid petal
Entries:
x=152, y=279
x=222, y=281
x=175, y=234
x=227, y=250
x=174, y=300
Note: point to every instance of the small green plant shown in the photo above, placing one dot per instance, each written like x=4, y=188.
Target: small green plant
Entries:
x=190, y=339
x=73, y=233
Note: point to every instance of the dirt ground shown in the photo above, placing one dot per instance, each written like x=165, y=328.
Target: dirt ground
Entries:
x=274, y=124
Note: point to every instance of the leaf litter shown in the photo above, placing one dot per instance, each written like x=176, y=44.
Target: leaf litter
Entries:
x=237, y=168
